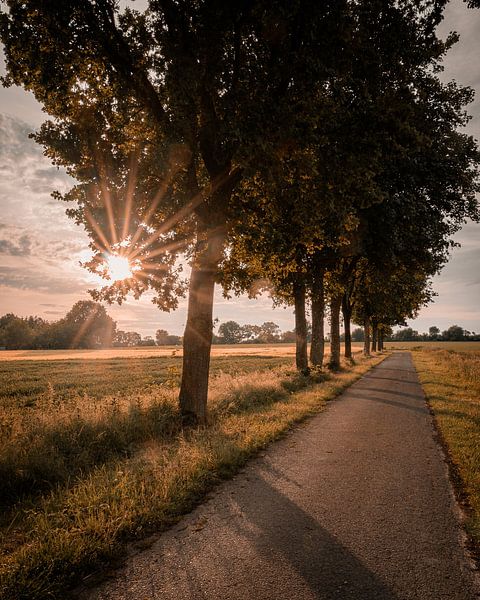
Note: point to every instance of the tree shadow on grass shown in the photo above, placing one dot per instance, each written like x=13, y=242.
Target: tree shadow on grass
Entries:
x=52, y=455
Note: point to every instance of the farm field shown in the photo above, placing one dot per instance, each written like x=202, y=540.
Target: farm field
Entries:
x=217, y=350
x=455, y=346
x=93, y=453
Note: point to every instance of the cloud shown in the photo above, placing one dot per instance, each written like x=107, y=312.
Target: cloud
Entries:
x=32, y=279
x=22, y=247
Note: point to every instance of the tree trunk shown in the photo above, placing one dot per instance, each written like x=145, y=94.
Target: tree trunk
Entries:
x=374, y=337
x=335, y=304
x=347, y=314
x=317, y=347
x=197, y=339
x=366, y=345
x=380, y=340
x=301, y=355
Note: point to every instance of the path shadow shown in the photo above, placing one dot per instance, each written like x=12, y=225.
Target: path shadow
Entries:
x=403, y=381
x=420, y=409
x=285, y=532
x=390, y=392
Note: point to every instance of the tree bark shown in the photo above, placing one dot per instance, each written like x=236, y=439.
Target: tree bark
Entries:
x=374, y=337
x=317, y=347
x=301, y=356
x=335, y=304
x=380, y=340
x=197, y=338
x=366, y=345
x=347, y=314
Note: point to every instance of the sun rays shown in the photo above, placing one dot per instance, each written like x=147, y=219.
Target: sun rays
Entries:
x=119, y=267
x=132, y=246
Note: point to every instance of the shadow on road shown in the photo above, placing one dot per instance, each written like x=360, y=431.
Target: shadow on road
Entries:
x=284, y=533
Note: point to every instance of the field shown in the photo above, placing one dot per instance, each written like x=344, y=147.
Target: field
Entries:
x=93, y=453
x=219, y=350
x=456, y=346
x=451, y=381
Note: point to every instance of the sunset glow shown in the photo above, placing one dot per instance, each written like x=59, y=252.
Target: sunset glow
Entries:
x=119, y=267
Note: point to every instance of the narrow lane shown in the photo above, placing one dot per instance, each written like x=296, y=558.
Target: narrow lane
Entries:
x=355, y=504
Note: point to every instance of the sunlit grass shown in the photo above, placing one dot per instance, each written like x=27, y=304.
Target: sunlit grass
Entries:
x=123, y=468
x=451, y=381
x=276, y=350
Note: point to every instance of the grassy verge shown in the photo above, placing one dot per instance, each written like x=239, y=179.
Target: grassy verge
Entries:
x=129, y=468
x=451, y=381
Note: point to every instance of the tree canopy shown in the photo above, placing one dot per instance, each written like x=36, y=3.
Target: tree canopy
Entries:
x=307, y=148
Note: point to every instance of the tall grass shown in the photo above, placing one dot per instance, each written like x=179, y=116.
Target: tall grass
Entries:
x=451, y=381
x=117, y=468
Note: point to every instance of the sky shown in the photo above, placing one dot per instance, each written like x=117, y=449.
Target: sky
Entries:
x=40, y=248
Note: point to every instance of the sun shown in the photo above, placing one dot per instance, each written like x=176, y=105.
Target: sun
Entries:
x=119, y=267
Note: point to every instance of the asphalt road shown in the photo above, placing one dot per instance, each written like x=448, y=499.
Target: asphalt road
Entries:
x=355, y=504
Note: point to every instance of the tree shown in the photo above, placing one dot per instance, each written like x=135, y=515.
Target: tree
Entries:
x=15, y=333
x=433, y=333
x=288, y=337
x=250, y=333
x=406, y=335
x=269, y=333
x=159, y=116
x=231, y=332
x=358, y=335
x=454, y=334
x=88, y=325
x=163, y=338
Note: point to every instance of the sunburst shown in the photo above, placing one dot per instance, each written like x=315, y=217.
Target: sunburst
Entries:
x=119, y=267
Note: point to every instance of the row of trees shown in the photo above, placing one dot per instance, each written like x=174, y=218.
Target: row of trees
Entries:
x=86, y=325
x=269, y=332
x=454, y=333
x=305, y=148
x=232, y=332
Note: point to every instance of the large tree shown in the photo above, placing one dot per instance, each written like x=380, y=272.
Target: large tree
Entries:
x=158, y=116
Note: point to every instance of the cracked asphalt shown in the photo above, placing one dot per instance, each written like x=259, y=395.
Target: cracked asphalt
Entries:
x=354, y=504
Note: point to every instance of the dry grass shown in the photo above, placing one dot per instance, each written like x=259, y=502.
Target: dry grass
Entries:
x=451, y=381
x=114, y=468
x=457, y=346
x=155, y=351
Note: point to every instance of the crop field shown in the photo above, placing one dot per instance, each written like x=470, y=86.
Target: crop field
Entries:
x=93, y=452
x=218, y=350
x=455, y=346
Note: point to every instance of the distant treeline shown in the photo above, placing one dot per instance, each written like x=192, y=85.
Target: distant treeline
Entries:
x=454, y=333
x=87, y=325
x=232, y=332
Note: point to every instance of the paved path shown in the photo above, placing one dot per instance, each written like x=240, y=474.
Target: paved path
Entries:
x=354, y=505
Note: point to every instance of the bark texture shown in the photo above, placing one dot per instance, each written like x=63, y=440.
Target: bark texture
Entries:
x=347, y=315
x=374, y=337
x=301, y=355
x=317, y=347
x=380, y=340
x=366, y=344
x=197, y=338
x=335, y=305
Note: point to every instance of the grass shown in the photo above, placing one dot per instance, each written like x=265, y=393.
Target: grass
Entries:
x=457, y=346
x=451, y=381
x=271, y=350
x=89, y=468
